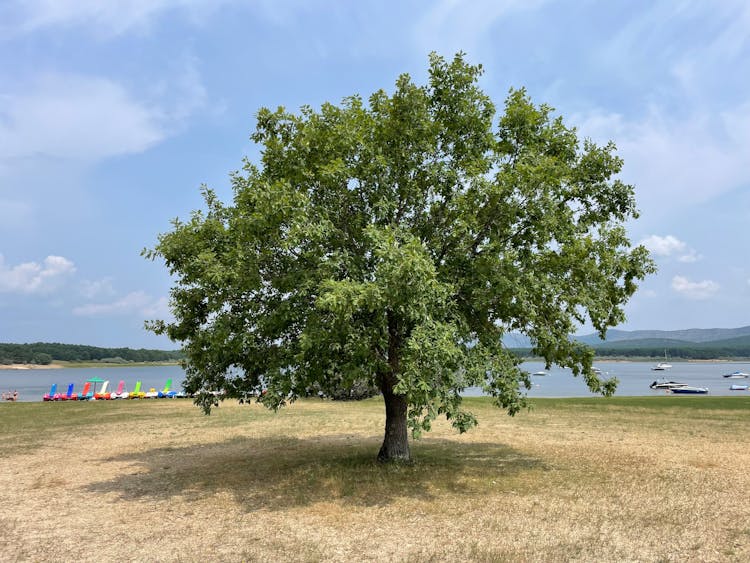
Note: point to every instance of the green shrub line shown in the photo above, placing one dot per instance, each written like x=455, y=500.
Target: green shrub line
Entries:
x=699, y=352
x=44, y=353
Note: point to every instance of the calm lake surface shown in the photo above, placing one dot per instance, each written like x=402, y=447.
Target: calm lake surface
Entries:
x=634, y=377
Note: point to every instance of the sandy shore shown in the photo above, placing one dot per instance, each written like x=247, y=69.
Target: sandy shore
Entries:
x=31, y=366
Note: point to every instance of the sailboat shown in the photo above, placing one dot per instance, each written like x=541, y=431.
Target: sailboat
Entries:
x=661, y=366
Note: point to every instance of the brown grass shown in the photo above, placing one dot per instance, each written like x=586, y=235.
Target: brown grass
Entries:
x=569, y=481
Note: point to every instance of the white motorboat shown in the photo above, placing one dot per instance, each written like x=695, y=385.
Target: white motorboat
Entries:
x=662, y=366
x=664, y=384
x=736, y=375
x=689, y=390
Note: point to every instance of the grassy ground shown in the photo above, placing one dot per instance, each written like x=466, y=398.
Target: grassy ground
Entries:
x=627, y=479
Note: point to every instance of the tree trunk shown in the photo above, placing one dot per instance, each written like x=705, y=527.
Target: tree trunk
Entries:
x=396, y=441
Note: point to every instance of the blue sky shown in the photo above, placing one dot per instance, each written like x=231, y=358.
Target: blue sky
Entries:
x=112, y=114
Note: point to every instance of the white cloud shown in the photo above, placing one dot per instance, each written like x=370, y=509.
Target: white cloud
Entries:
x=677, y=161
x=663, y=246
x=688, y=143
x=134, y=303
x=34, y=278
x=74, y=116
x=694, y=290
x=462, y=25
x=670, y=245
x=109, y=17
x=690, y=257
x=158, y=309
x=97, y=288
x=88, y=118
x=185, y=87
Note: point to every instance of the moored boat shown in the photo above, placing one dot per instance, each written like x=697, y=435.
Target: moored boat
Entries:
x=120, y=393
x=736, y=375
x=690, y=390
x=51, y=395
x=103, y=394
x=662, y=366
x=738, y=387
x=664, y=384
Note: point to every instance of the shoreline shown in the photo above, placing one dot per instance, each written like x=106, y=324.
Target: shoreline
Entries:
x=82, y=364
x=34, y=367
x=31, y=366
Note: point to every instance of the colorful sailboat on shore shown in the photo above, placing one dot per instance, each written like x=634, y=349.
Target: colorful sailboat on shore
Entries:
x=120, y=393
x=69, y=396
x=103, y=395
x=166, y=393
x=52, y=392
x=137, y=393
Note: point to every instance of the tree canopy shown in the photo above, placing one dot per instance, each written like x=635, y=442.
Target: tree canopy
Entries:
x=394, y=241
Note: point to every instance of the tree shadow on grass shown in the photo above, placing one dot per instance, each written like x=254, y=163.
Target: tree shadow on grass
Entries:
x=284, y=472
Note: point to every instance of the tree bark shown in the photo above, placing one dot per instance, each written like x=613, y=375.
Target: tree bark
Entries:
x=396, y=441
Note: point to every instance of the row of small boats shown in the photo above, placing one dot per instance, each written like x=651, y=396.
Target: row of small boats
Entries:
x=89, y=392
x=679, y=388
x=685, y=389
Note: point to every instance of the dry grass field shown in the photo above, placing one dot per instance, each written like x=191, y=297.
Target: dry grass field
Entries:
x=652, y=479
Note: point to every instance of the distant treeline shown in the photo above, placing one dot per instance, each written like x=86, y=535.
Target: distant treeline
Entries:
x=45, y=353
x=703, y=351
x=694, y=352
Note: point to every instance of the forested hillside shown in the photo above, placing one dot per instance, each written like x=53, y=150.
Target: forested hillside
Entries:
x=729, y=349
x=695, y=335
x=45, y=353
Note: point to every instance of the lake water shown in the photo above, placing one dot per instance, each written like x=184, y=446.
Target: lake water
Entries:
x=635, y=378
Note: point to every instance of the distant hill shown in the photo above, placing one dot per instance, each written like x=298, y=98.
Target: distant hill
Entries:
x=661, y=343
x=666, y=343
x=687, y=335
x=739, y=341
x=657, y=338
x=724, y=343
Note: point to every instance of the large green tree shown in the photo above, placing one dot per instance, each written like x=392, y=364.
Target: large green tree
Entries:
x=395, y=242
